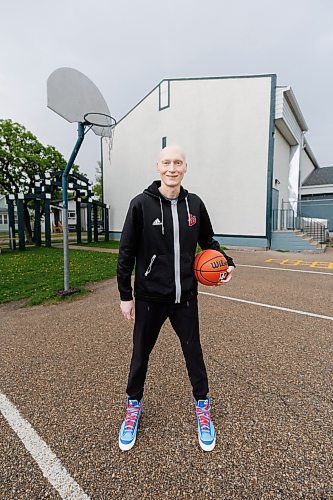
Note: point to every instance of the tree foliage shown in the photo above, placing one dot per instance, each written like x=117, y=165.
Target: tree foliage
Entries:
x=22, y=157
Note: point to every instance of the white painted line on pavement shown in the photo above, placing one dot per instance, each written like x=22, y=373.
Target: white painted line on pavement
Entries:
x=284, y=269
x=269, y=306
x=50, y=465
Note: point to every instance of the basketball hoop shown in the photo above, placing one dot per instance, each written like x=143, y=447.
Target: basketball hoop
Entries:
x=71, y=94
x=102, y=121
x=104, y=124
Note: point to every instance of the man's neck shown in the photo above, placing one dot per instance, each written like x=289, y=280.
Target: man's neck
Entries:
x=169, y=192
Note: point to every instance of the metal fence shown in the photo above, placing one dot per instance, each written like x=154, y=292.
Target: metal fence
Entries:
x=285, y=219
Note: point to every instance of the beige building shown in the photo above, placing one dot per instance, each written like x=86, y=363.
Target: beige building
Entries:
x=246, y=151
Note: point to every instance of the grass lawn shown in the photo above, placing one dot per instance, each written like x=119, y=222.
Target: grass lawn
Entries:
x=37, y=273
x=100, y=244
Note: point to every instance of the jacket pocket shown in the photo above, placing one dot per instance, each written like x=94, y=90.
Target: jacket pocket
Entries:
x=158, y=275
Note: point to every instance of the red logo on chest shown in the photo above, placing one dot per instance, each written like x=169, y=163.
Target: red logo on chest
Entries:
x=192, y=220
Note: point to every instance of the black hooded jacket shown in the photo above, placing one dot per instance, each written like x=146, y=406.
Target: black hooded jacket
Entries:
x=159, y=238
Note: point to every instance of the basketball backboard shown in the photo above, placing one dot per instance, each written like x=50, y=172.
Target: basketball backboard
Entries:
x=71, y=94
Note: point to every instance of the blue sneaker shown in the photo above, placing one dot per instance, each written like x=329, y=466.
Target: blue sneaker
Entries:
x=206, y=431
x=129, y=428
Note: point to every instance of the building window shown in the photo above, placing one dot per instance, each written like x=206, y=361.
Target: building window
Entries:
x=164, y=95
x=164, y=142
x=3, y=219
x=71, y=215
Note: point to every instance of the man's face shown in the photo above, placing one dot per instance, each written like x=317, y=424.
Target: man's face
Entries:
x=171, y=166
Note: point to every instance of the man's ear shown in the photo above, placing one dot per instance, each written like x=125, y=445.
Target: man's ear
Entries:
x=185, y=167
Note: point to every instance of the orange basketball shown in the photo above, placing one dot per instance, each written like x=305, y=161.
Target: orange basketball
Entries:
x=210, y=267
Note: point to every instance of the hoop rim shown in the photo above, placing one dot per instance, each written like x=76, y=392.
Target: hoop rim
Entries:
x=108, y=125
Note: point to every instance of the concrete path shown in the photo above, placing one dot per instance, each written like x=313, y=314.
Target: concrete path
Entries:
x=86, y=247
x=64, y=367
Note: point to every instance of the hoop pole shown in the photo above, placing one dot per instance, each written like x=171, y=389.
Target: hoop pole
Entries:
x=102, y=173
x=64, y=181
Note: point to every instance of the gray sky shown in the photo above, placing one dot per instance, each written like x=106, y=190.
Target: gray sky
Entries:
x=127, y=47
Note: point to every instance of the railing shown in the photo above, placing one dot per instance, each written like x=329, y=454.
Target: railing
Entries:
x=286, y=219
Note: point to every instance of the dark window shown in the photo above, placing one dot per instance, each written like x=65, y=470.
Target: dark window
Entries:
x=164, y=94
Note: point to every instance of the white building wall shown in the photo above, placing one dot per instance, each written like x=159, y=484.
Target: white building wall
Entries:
x=291, y=125
x=223, y=125
x=130, y=166
x=281, y=166
x=306, y=166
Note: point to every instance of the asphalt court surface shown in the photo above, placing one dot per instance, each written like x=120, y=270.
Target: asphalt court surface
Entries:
x=64, y=367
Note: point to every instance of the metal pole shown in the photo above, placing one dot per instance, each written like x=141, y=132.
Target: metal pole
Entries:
x=102, y=173
x=80, y=133
x=78, y=221
x=20, y=220
x=11, y=224
x=37, y=228
x=95, y=214
x=47, y=220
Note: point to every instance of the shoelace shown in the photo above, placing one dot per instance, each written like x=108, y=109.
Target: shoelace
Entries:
x=203, y=415
x=131, y=417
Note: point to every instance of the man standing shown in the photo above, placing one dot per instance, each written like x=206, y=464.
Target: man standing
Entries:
x=161, y=231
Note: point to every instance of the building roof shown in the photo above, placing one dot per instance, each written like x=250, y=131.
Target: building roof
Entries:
x=290, y=96
x=319, y=177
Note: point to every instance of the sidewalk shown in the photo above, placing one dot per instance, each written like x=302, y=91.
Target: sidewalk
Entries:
x=86, y=247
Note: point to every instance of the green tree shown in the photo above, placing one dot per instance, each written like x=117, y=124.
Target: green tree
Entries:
x=22, y=157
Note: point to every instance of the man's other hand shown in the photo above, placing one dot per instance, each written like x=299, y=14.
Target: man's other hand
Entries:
x=127, y=309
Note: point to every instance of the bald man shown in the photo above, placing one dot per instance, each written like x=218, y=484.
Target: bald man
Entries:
x=161, y=231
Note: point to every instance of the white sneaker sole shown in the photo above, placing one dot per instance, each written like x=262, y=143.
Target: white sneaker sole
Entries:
x=207, y=447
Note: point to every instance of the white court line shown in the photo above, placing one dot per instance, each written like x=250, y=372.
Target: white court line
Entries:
x=284, y=269
x=269, y=306
x=50, y=465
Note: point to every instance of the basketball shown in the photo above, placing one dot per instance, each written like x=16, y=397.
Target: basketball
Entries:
x=210, y=267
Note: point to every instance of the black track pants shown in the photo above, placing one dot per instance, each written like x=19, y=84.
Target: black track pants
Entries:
x=149, y=318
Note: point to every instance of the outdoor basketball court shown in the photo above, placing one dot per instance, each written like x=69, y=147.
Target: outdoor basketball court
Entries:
x=268, y=348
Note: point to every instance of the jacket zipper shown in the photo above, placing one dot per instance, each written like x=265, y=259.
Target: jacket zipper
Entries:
x=176, y=246
x=150, y=265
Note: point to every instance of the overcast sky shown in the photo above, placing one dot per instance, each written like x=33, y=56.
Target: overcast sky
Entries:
x=127, y=47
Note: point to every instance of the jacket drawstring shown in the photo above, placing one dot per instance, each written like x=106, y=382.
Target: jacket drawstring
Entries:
x=188, y=211
x=162, y=215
